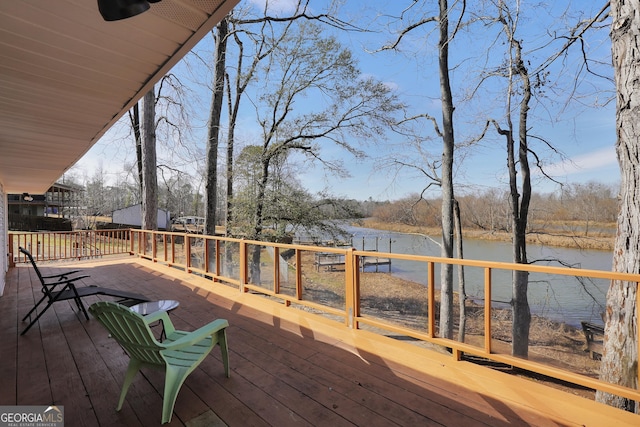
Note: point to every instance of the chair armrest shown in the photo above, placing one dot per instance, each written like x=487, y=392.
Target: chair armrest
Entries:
x=64, y=279
x=191, y=338
x=64, y=282
x=164, y=317
x=66, y=273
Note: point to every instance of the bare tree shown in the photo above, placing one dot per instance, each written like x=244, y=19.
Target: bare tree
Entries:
x=261, y=47
x=620, y=358
x=519, y=82
x=149, y=163
x=462, y=287
x=232, y=26
x=446, y=184
x=217, y=96
x=349, y=107
x=169, y=121
x=444, y=166
x=94, y=197
x=589, y=204
x=524, y=82
x=134, y=118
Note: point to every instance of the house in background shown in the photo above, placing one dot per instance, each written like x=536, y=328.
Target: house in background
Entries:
x=51, y=211
x=131, y=217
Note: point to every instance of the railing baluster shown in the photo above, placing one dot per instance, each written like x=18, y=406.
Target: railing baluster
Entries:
x=431, y=299
x=218, y=260
x=298, y=275
x=244, y=272
x=154, y=246
x=487, y=310
x=352, y=290
x=276, y=270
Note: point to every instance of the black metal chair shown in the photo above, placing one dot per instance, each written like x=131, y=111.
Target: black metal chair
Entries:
x=61, y=287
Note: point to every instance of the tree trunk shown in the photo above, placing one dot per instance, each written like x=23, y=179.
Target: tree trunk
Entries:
x=233, y=108
x=258, y=223
x=520, y=302
x=149, y=164
x=211, y=193
x=230, y=145
x=446, y=277
x=135, y=123
x=462, y=291
x=620, y=354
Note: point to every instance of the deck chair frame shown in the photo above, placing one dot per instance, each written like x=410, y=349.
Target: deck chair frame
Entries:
x=61, y=287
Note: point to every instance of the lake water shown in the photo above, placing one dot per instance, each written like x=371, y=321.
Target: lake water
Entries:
x=561, y=298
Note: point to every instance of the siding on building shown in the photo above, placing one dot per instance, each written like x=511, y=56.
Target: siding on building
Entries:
x=132, y=215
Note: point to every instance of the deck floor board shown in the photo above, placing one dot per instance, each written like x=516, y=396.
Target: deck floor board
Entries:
x=288, y=367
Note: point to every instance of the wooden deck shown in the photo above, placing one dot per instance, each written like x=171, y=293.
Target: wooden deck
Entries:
x=288, y=367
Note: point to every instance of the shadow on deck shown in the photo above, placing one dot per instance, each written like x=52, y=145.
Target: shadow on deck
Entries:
x=288, y=367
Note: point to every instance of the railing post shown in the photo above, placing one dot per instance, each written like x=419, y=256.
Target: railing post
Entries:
x=487, y=310
x=298, y=275
x=154, y=247
x=205, y=247
x=164, y=246
x=218, y=258
x=352, y=288
x=172, y=259
x=243, y=265
x=431, y=300
x=148, y=244
x=187, y=252
x=276, y=269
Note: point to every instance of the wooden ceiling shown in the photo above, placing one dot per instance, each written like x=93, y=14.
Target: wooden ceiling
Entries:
x=66, y=76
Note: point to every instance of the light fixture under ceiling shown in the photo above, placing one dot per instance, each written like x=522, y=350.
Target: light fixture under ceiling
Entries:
x=114, y=10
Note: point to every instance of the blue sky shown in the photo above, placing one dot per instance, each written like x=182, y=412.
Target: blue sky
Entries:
x=585, y=134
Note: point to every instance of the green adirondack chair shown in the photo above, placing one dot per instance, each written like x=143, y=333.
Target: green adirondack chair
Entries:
x=179, y=354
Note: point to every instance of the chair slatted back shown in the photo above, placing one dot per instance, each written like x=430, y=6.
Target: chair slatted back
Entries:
x=130, y=330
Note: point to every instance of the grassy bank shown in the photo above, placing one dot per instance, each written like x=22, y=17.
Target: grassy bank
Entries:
x=561, y=235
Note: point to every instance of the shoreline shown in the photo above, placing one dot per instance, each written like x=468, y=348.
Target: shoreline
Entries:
x=552, y=237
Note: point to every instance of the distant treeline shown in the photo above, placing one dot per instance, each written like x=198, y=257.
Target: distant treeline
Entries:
x=582, y=205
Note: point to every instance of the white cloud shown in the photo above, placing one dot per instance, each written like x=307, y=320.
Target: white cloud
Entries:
x=276, y=6
x=593, y=161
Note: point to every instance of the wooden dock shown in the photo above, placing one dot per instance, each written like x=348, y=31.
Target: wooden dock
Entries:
x=369, y=261
x=329, y=261
x=333, y=262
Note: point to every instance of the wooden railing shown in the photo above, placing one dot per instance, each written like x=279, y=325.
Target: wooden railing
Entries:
x=84, y=244
x=291, y=274
x=229, y=261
